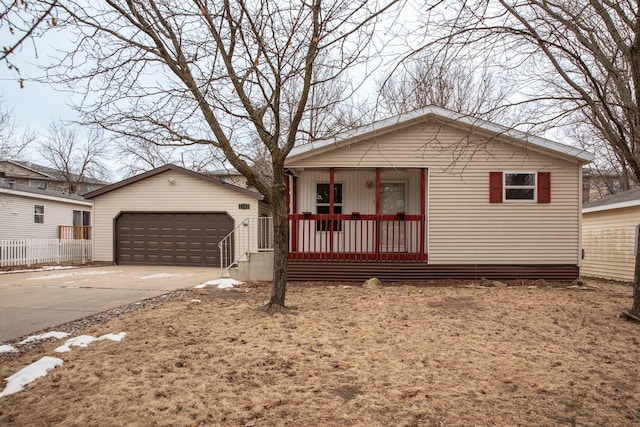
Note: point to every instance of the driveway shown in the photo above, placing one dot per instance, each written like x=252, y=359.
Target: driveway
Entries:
x=33, y=301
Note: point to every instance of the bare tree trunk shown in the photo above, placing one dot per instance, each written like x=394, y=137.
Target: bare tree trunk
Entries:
x=280, y=241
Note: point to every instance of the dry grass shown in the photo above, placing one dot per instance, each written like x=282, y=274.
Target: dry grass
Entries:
x=392, y=356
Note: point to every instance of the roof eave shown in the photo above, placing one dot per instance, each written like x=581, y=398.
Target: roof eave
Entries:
x=109, y=188
x=611, y=206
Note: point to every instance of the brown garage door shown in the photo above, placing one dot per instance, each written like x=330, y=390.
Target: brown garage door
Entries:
x=162, y=238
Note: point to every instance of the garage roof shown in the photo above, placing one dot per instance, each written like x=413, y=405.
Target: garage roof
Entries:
x=174, y=168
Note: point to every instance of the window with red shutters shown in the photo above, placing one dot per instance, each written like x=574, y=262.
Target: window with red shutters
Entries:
x=519, y=186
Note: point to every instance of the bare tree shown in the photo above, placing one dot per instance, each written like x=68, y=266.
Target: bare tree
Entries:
x=140, y=156
x=12, y=144
x=220, y=73
x=22, y=21
x=432, y=78
x=77, y=155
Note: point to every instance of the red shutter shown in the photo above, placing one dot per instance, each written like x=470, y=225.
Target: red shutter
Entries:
x=495, y=187
x=544, y=187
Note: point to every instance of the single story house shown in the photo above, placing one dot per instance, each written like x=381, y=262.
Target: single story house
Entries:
x=435, y=194
x=609, y=235
x=174, y=216
x=31, y=213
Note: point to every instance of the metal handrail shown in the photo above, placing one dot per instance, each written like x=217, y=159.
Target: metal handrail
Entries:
x=237, y=244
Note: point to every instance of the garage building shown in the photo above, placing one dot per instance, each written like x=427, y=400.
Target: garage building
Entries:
x=169, y=216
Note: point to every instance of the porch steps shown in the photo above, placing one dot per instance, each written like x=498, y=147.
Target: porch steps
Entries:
x=358, y=271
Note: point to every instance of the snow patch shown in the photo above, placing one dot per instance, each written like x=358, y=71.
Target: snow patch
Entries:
x=53, y=334
x=220, y=283
x=6, y=348
x=24, y=376
x=85, y=340
x=45, y=268
x=159, y=276
x=83, y=273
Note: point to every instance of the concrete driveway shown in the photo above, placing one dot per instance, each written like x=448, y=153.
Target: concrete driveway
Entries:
x=33, y=301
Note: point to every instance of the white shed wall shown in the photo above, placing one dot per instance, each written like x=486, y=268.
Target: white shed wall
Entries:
x=608, y=238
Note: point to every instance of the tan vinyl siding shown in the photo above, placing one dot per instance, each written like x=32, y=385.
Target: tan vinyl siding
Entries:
x=608, y=238
x=157, y=194
x=16, y=217
x=463, y=227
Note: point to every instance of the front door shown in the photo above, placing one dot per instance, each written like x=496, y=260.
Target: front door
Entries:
x=392, y=201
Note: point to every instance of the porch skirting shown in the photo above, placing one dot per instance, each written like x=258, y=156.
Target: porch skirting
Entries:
x=358, y=271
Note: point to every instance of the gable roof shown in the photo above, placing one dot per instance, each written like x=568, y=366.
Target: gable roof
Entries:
x=174, y=168
x=446, y=116
x=26, y=191
x=623, y=199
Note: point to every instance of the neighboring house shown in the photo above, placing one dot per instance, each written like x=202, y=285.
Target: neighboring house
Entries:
x=173, y=216
x=609, y=232
x=597, y=184
x=435, y=194
x=230, y=176
x=42, y=177
x=28, y=213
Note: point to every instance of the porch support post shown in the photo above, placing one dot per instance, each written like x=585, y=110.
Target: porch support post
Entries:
x=377, y=230
x=294, y=210
x=423, y=199
x=288, y=194
x=331, y=207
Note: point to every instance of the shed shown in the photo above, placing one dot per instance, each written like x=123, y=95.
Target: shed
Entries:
x=609, y=233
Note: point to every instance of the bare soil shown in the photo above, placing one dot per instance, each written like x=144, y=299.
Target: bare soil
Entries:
x=457, y=354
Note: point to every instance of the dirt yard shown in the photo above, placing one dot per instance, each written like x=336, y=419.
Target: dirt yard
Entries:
x=344, y=355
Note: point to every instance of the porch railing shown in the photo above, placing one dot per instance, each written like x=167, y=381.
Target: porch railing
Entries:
x=357, y=237
x=74, y=232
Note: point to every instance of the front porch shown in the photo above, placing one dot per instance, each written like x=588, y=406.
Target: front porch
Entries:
x=370, y=214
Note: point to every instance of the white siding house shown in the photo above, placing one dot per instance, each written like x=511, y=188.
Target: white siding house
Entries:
x=27, y=213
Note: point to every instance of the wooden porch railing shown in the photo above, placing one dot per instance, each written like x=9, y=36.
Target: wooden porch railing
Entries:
x=74, y=232
x=357, y=237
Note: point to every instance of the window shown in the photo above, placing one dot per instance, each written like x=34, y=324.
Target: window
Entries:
x=323, y=205
x=519, y=186
x=39, y=184
x=38, y=214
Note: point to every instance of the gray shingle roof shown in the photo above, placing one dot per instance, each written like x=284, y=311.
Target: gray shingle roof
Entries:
x=51, y=193
x=630, y=195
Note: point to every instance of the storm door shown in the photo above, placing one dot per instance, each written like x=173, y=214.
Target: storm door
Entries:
x=393, y=201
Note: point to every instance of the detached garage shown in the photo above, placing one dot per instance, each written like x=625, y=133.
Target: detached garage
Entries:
x=169, y=216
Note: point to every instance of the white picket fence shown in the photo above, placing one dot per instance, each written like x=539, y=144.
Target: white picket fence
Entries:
x=27, y=252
